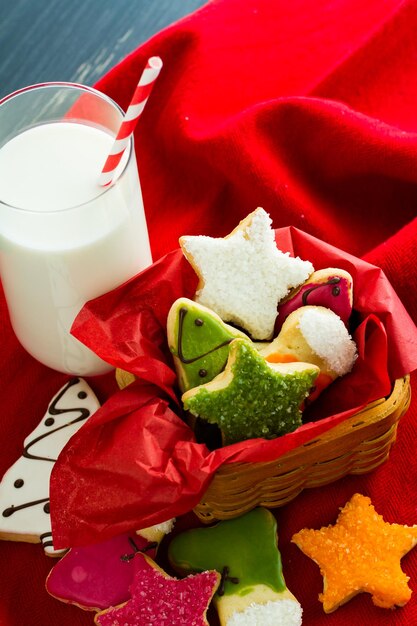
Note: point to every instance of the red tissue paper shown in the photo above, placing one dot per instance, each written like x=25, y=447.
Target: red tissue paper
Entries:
x=136, y=458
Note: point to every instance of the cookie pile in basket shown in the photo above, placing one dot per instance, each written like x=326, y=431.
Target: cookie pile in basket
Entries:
x=264, y=335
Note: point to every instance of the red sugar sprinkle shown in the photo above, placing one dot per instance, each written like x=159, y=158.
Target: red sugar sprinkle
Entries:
x=163, y=601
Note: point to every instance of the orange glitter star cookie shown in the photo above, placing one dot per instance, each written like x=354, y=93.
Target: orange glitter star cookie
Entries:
x=361, y=552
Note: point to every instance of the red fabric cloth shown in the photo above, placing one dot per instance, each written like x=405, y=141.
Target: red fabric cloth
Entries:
x=307, y=108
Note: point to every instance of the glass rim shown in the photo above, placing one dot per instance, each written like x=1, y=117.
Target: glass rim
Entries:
x=80, y=87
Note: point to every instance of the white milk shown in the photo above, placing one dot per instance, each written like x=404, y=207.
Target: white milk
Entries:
x=54, y=257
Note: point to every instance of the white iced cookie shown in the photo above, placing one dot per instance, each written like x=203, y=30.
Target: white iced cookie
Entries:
x=243, y=276
x=24, y=488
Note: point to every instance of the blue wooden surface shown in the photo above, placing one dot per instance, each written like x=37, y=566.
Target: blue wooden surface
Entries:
x=76, y=40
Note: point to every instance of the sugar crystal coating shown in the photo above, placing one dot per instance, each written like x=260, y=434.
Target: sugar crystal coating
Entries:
x=328, y=337
x=259, y=401
x=274, y=613
x=244, y=275
x=160, y=600
x=361, y=552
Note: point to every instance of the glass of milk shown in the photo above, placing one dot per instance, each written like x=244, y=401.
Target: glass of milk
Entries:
x=63, y=238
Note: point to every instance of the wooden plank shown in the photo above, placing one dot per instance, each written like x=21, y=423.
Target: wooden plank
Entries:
x=76, y=40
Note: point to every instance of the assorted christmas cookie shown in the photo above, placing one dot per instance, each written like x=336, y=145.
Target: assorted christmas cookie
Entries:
x=251, y=397
x=159, y=599
x=232, y=380
x=157, y=532
x=360, y=553
x=243, y=276
x=244, y=551
x=199, y=341
x=330, y=287
x=98, y=576
x=314, y=334
x=24, y=489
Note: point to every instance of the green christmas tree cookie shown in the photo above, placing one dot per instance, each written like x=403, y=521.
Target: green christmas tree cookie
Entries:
x=245, y=552
x=199, y=341
x=251, y=397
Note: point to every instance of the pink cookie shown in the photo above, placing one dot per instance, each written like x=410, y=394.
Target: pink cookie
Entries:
x=164, y=601
x=330, y=287
x=98, y=576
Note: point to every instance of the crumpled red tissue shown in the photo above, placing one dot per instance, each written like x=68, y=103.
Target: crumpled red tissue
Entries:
x=136, y=462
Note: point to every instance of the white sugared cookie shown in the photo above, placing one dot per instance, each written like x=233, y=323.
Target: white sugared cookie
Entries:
x=24, y=488
x=244, y=276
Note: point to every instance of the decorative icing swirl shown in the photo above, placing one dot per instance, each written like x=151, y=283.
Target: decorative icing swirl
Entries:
x=198, y=322
x=332, y=281
x=19, y=477
x=52, y=410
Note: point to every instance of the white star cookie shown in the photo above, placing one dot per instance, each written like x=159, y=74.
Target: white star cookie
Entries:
x=244, y=275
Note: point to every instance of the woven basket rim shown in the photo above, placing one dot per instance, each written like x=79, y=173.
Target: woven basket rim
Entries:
x=355, y=446
x=372, y=413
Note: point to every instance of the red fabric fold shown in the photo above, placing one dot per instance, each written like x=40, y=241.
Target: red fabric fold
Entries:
x=307, y=108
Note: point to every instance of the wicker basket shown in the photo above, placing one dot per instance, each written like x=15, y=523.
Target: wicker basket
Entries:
x=356, y=446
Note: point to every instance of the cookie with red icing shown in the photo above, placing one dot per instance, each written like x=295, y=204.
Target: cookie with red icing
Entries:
x=330, y=287
x=97, y=576
x=159, y=599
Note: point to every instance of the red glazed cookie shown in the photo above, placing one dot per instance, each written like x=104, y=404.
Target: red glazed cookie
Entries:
x=330, y=287
x=158, y=599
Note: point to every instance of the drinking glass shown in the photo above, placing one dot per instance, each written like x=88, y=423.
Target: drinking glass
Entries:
x=64, y=239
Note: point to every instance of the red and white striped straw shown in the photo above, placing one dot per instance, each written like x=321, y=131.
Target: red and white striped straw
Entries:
x=133, y=113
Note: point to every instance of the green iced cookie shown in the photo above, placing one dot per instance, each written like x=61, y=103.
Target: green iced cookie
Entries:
x=245, y=552
x=251, y=397
x=246, y=545
x=199, y=341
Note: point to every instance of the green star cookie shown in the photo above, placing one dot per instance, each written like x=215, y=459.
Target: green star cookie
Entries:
x=251, y=397
x=199, y=341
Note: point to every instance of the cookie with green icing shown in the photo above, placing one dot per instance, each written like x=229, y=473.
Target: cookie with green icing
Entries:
x=245, y=552
x=199, y=341
x=251, y=397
